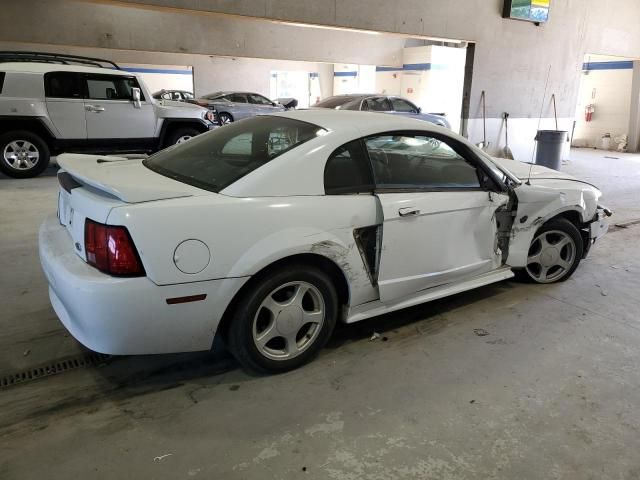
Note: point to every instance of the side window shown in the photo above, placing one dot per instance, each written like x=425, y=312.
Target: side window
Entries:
x=187, y=95
x=377, y=104
x=400, y=105
x=111, y=87
x=418, y=162
x=166, y=96
x=347, y=171
x=2, y=74
x=237, y=98
x=258, y=99
x=63, y=85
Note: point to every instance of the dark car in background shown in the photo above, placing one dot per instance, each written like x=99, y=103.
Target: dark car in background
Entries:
x=382, y=103
x=232, y=106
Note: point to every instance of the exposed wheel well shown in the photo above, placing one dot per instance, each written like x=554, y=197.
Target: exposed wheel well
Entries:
x=311, y=259
x=31, y=125
x=574, y=217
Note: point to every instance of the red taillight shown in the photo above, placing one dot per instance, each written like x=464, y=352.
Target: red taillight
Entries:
x=110, y=249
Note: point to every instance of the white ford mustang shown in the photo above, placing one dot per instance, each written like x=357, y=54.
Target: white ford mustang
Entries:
x=270, y=230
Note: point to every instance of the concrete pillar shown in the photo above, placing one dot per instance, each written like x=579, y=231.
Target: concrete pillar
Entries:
x=634, y=118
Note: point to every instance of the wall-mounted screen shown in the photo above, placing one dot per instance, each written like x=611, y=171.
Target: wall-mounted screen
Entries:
x=529, y=10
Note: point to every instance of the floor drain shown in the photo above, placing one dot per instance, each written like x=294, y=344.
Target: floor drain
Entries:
x=59, y=366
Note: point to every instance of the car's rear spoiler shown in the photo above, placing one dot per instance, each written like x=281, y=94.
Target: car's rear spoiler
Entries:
x=122, y=178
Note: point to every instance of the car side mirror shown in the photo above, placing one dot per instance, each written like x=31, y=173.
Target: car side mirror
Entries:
x=135, y=94
x=419, y=110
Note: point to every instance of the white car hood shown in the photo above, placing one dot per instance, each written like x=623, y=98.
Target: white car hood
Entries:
x=525, y=170
x=127, y=180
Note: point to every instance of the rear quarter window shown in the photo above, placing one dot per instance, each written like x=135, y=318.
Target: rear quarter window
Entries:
x=215, y=160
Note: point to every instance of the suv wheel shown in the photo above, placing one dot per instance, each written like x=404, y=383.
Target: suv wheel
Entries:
x=181, y=135
x=283, y=320
x=23, y=154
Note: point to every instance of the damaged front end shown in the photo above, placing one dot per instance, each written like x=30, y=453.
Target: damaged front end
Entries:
x=537, y=203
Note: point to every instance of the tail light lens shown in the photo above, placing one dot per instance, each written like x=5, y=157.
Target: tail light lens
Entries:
x=111, y=250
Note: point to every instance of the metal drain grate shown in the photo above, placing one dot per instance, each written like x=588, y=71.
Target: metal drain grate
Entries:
x=60, y=366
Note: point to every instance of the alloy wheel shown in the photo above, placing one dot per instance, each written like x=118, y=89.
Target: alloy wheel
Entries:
x=551, y=256
x=288, y=320
x=21, y=155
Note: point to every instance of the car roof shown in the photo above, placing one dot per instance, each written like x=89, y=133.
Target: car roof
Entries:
x=221, y=94
x=367, y=122
x=358, y=95
x=44, y=67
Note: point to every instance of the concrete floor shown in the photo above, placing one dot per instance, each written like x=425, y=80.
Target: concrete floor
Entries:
x=551, y=391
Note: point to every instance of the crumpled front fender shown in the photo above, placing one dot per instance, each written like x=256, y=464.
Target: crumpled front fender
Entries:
x=538, y=203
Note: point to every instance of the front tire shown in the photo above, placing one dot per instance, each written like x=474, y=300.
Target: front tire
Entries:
x=554, y=254
x=225, y=118
x=23, y=154
x=181, y=135
x=283, y=320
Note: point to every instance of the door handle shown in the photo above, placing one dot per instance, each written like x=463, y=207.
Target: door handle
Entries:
x=94, y=108
x=408, y=212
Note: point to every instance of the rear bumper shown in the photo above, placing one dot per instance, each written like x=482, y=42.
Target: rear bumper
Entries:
x=128, y=316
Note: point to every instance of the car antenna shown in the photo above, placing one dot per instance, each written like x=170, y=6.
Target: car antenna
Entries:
x=535, y=148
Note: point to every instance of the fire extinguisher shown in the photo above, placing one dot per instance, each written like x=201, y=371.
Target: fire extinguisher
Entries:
x=589, y=111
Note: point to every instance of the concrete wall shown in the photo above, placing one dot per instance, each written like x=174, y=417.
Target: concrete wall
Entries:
x=210, y=73
x=350, y=78
x=512, y=59
x=606, y=83
x=113, y=26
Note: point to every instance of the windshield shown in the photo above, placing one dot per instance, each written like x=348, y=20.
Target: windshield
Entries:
x=217, y=159
x=333, y=102
x=499, y=170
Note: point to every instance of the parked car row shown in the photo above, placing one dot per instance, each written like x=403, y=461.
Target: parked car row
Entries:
x=231, y=106
x=54, y=103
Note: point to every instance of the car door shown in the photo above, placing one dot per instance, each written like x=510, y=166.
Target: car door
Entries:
x=438, y=204
x=240, y=107
x=262, y=105
x=64, y=94
x=110, y=111
x=402, y=107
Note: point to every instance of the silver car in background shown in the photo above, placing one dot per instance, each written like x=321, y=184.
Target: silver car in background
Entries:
x=232, y=106
x=382, y=103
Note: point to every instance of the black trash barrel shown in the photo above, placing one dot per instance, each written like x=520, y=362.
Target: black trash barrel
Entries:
x=550, y=148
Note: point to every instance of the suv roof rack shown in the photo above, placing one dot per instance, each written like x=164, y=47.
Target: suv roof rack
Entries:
x=45, y=57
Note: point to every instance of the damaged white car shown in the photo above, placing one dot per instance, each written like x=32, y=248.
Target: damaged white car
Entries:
x=272, y=229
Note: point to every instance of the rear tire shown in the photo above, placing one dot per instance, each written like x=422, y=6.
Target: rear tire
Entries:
x=23, y=154
x=181, y=135
x=283, y=320
x=554, y=254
